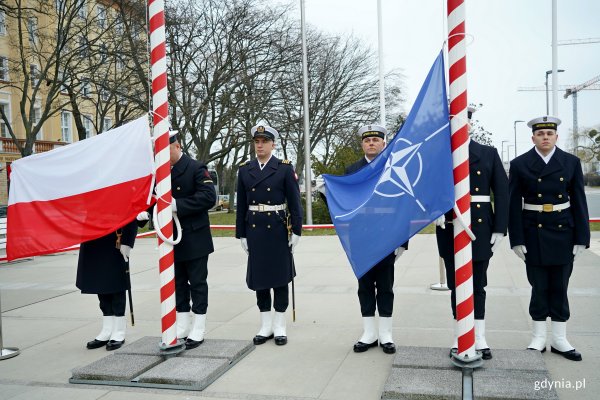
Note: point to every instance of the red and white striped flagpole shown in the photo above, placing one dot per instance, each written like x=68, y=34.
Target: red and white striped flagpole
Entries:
x=457, y=60
x=160, y=112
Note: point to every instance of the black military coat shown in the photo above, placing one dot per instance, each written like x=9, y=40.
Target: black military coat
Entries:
x=194, y=192
x=486, y=176
x=269, y=262
x=548, y=236
x=353, y=168
x=101, y=268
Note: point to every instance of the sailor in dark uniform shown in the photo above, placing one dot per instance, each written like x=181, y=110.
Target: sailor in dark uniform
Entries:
x=548, y=228
x=193, y=195
x=487, y=176
x=268, y=201
x=103, y=269
x=375, y=288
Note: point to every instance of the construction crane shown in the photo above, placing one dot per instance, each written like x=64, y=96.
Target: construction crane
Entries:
x=573, y=91
x=569, y=42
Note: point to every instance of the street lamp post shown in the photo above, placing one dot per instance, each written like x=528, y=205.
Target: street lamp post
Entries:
x=508, y=152
x=547, y=100
x=502, y=155
x=515, y=129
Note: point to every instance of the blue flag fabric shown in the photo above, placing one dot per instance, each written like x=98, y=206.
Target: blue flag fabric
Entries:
x=406, y=187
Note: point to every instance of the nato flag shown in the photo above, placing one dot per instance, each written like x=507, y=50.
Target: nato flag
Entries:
x=406, y=187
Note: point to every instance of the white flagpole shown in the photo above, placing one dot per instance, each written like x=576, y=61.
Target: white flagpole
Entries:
x=554, y=61
x=381, y=76
x=307, y=173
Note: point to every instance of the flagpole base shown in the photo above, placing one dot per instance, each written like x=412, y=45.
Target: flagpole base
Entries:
x=439, y=286
x=466, y=362
x=9, y=352
x=169, y=351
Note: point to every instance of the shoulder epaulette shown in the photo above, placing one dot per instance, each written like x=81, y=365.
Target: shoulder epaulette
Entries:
x=244, y=163
x=286, y=162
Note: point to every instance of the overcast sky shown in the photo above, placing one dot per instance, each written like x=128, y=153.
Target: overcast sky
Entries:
x=510, y=48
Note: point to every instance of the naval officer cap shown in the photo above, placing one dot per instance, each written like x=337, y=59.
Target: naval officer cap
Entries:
x=264, y=131
x=372, y=131
x=173, y=136
x=545, y=122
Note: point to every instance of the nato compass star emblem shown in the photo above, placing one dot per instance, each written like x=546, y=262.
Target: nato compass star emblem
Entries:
x=394, y=180
x=403, y=163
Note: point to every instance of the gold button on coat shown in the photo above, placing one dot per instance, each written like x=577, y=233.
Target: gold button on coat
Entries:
x=477, y=189
x=479, y=220
x=269, y=201
x=178, y=188
x=268, y=189
x=253, y=189
x=269, y=214
x=539, y=195
x=539, y=225
x=562, y=179
x=254, y=226
x=560, y=196
x=560, y=226
x=478, y=172
x=478, y=205
x=539, y=179
x=269, y=226
x=253, y=213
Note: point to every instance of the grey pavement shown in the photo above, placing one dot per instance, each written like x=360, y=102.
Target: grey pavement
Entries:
x=45, y=316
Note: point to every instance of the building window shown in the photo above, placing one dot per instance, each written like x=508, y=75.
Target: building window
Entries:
x=3, y=128
x=65, y=127
x=88, y=126
x=2, y=23
x=84, y=47
x=34, y=74
x=82, y=12
x=106, y=124
x=86, y=88
x=102, y=16
x=32, y=30
x=3, y=69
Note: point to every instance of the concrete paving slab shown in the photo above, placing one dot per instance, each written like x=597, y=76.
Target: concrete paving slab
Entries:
x=437, y=358
x=409, y=383
x=115, y=367
x=232, y=350
x=496, y=384
x=185, y=373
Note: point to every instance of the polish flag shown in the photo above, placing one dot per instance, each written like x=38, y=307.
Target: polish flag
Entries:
x=79, y=192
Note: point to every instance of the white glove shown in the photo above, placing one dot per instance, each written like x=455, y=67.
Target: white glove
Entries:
x=125, y=250
x=173, y=205
x=497, y=237
x=398, y=252
x=143, y=216
x=577, y=249
x=441, y=221
x=293, y=242
x=244, y=243
x=520, y=251
x=320, y=185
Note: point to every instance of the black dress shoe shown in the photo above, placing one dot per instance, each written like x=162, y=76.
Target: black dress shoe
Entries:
x=360, y=347
x=96, y=344
x=280, y=340
x=261, y=339
x=486, y=354
x=541, y=351
x=192, y=344
x=572, y=355
x=114, y=344
x=388, y=348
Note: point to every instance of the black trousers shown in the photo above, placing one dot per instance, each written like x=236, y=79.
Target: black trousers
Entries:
x=190, y=283
x=112, y=304
x=549, y=284
x=479, y=284
x=281, y=299
x=376, y=289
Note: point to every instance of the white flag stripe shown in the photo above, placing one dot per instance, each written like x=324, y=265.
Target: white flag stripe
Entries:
x=125, y=154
